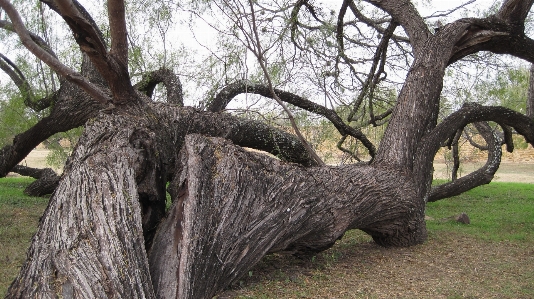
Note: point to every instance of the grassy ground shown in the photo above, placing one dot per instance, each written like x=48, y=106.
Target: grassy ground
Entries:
x=493, y=257
x=19, y=215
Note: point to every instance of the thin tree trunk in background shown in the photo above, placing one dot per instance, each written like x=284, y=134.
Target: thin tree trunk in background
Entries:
x=530, y=98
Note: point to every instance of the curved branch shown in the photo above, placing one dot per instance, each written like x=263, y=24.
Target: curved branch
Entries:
x=474, y=143
x=469, y=113
x=170, y=81
x=358, y=14
x=502, y=33
x=243, y=86
x=24, y=87
x=72, y=109
x=46, y=180
x=49, y=59
x=17, y=77
x=243, y=132
x=482, y=176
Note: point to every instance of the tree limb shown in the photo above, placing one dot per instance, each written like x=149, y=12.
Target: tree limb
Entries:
x=24, y=87
x=112, y=66
x=46, y=180
x=404, y=13
x=482, y=176
x=169, y=79
x=244, y=86
x=469, y=113
x=49, y=59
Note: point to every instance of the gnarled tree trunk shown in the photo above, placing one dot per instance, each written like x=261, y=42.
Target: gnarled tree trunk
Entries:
x=231, y=207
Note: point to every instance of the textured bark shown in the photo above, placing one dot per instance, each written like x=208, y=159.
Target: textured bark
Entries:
x=73, y=109
x=89, y=243
x=46, y=180
x=231, y=207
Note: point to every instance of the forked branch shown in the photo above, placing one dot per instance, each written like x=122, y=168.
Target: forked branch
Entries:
x=49, y=59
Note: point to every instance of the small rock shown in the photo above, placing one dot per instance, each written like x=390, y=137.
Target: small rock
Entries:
x=463, y=218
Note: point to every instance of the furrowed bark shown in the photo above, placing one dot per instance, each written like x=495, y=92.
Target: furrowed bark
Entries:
x=232, y=207
x=90, y=243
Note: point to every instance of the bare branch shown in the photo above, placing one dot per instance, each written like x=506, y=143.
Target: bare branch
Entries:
x=404, y=13
x=118, y=32
x=112, y=66
x=482, y=176
x=50, y=60
x=230, y=91
x=258, y=52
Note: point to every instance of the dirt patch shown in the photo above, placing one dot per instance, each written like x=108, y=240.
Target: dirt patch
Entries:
x=36, y=159
x=449, y=265
x=508, y=171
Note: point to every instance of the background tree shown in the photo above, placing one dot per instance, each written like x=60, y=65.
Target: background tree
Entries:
x=106, y=233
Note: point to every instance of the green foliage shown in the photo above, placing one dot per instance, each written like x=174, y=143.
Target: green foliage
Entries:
x=15, y=118
x=508, y=89
x=61, y=146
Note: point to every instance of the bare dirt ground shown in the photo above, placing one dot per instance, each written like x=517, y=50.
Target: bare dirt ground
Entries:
x=448, y=265
x=508, y=171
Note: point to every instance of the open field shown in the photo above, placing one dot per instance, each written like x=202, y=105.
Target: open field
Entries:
x=493, y=257
x=508, y=171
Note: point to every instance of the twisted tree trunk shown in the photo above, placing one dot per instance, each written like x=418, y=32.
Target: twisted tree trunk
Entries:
x=231, y=207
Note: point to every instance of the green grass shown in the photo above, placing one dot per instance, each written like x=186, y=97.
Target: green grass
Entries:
x=498, y=212
x=19, y=215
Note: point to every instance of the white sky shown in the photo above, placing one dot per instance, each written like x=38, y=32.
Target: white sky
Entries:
x=426, y=8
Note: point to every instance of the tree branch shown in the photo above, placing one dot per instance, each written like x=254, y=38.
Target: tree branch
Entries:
x=118, y=32
x=112, y=66
x=404, y=13
x=482, y=176
x=49, y=59
x=469, y=113
x=243, y=86
x=169, y=79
